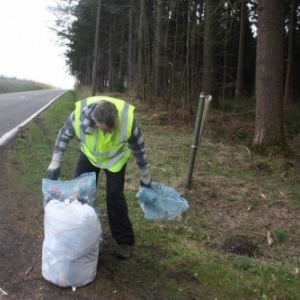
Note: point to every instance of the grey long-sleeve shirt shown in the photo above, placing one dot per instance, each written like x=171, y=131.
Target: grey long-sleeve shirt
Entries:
x=67, y=132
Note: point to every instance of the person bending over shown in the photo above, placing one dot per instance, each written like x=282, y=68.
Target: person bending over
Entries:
x=109, y=133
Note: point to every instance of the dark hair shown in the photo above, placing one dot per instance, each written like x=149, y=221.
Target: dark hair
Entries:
x=106, y=113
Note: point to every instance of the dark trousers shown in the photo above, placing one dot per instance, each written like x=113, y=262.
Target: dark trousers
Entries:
x=117, y=210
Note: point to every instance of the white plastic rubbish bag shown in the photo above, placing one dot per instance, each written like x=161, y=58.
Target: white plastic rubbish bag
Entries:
x=71, y=243
x=161, y=203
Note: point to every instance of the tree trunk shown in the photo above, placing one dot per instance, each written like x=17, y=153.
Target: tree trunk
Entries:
x=241, y=55
x=96, y=51
x=140, y=76
x=172, y=66
x=130, y=46
x=225, y=71
x=110, y=54
x=210, y=69
x=269, y=73
x=289, y=92
x=159, y=58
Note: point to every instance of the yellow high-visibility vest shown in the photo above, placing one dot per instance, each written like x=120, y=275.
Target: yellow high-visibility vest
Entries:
x=110, y=150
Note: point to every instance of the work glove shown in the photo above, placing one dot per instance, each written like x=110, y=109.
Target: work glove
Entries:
x=145, y=181
x=53, y=170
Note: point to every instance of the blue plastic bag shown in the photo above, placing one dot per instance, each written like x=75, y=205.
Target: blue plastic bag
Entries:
x=161, y=203
x=82, y=188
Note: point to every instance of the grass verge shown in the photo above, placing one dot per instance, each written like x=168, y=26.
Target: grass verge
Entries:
x=14, y=85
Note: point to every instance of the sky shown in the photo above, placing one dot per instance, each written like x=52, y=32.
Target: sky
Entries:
x=28, y=48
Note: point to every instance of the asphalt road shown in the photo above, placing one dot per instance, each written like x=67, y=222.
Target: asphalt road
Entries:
x=17, y=109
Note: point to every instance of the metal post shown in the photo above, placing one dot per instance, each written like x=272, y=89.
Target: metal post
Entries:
x=201, y=115
x=95, y=57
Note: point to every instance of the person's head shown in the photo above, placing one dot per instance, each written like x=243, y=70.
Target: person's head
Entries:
x=105, y=116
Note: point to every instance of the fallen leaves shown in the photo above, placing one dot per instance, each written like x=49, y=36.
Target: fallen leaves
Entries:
x=263, y=196
x=3, y=293
x=270, y=239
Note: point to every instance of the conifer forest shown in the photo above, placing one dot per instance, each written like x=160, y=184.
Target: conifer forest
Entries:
x=169, y=51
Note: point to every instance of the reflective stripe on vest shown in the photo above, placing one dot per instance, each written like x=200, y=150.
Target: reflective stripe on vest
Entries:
x=114, y=149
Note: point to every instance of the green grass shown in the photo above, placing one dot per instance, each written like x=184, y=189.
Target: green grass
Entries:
x=180, y=259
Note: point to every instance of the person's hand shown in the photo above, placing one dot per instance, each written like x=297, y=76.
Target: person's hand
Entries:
x=53, y=170
x=145, y=181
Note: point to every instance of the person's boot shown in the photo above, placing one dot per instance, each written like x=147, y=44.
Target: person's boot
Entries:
x=124, y=251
